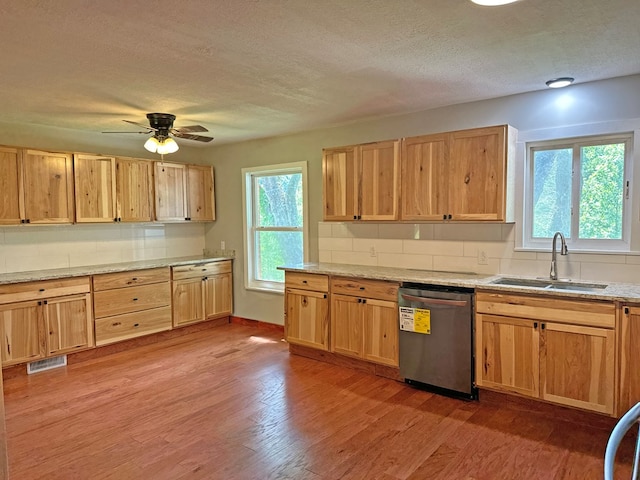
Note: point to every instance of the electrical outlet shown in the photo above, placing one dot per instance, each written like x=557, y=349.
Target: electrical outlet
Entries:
x=482, y=258
x=372, y=251
x=223, y=245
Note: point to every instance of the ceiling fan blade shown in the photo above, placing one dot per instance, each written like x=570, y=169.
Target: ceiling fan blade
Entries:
x=151, y=129
x=197, y=138
x=146, y=133
x=190, y=129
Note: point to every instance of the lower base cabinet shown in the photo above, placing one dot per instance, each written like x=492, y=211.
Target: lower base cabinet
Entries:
x=202, y=292
x=42, y=319
x=561, y=351
x=629, y=358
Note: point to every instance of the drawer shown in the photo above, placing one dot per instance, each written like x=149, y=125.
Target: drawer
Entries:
x=131, y=278
x=201, y=269
x=306, y=281
x=365, y=288
x=20, y=292
x=132, y=299
x=130, y=325
x=577, y=312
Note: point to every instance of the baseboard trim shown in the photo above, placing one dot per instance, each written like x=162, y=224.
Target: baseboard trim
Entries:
x=257, y=324
x=340, y=360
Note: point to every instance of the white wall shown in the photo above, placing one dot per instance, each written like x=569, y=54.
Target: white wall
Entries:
x=604, y=101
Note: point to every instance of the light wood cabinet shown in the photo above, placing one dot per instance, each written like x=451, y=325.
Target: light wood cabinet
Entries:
x=184, y=192
x=48, y=187
x=562, y=351
x=362, y=182
x=11, y=207
x=202, y=292
x=131, y=304
x=134, y=190
x=629, y=358
x=39, y=319
x=307, y=310
x=95, y=188
x=461, y=176
x=364, y=319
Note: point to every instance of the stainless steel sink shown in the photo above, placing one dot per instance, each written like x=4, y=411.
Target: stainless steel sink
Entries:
x=549, y=284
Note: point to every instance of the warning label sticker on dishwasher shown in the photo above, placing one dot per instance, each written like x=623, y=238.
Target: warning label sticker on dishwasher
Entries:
x=416, y=320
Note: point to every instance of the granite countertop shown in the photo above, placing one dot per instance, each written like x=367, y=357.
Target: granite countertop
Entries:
x=623, y=292
x=36, y=275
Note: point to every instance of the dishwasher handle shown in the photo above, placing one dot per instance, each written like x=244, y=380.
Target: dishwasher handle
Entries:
x=434, y=301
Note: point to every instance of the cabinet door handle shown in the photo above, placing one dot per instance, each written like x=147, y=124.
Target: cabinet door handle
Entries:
x=535, y=325
x=444, y=217
x=359, y=300
x=364, y=300
x=626, y=310
x=449, y=216
x=324, y=296
x=45, y=302
x=542, y=326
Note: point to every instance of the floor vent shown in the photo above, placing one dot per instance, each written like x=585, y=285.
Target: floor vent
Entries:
x=46, y=364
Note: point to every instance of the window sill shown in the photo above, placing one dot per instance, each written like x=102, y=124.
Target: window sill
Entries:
x=577, y=250
x=275, y=289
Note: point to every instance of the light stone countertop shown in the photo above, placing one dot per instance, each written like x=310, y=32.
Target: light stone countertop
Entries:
x=622, y=292
x=37, y=275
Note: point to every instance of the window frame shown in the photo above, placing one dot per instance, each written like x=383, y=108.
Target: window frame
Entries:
x=250, y=228
x=576, y=143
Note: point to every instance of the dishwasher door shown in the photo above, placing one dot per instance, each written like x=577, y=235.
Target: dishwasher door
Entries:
x=443, y=357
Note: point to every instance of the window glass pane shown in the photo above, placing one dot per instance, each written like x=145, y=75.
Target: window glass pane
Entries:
x=275, y=249
x=601, y=194
x=551, y=192
x=279, y=200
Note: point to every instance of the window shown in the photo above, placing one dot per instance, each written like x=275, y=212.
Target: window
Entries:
x=579, y=187
x=275, y=222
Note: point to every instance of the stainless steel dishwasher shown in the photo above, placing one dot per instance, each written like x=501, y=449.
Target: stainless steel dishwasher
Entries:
x=436, y=338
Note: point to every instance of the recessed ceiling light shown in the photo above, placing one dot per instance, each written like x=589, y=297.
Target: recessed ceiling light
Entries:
x=559, y=82
x=493, y=3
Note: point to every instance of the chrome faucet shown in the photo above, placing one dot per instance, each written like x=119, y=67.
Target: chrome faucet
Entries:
x=563, y=251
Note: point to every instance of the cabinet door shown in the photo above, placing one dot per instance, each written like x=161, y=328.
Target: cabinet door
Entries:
x=200, y=196
x=629, y=358
x=68, y=323
x=380, y=180
x=134, y=190
x=171, y=191
x=48, y=187
x=347, y=325
x=381, y=331
x=95, y=185
x=577, y=366
x=507, y=354
x=218, y=295
x=188, y=301
x=307, y=318
x=340, y=184
x=22, y=334
x=10, y=187
x=425, y=178
x=477, y=174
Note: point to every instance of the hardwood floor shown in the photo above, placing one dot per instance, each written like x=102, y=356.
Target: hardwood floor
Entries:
x=232, y=403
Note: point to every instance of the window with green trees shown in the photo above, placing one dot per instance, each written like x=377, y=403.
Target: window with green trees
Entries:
x=275, y=227
x=580, y=188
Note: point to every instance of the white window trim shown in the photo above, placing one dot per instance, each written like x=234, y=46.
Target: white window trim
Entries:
x=249, y=220
x=632, y=172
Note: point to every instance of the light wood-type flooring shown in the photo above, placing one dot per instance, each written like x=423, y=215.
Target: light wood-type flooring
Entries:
x=231, y=403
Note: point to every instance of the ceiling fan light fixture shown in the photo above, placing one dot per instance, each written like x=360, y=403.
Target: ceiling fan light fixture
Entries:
x=168, y=145
x=152, y=144
x=493, y=3
x=559, y=82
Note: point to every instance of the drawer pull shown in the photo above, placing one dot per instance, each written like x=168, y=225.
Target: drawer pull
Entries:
x=116, y=324
x=304, y=281
x=136, y=325
x=361, y=288
x=41, y=290
x=135, y=299
x=134, y=279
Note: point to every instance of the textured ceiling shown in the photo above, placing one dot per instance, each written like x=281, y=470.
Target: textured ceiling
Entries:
x=257, y=68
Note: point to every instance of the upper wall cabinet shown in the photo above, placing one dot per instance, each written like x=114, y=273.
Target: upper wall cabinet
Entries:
x=459, y=175
x=47, y=180
x=362, y=182
x=134, y=190
x=11, y=207
x=95, y=181
x=184, y=192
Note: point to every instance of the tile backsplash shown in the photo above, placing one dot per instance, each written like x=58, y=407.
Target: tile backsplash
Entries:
x=479, y=248
x=29, y=247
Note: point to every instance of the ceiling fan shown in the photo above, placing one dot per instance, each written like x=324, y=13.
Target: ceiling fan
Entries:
x=161, y=125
